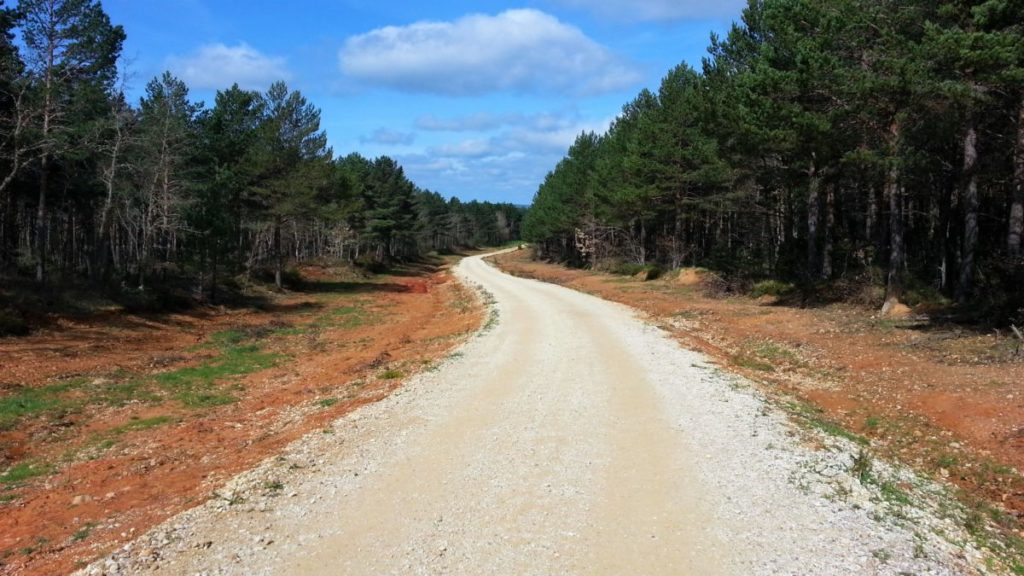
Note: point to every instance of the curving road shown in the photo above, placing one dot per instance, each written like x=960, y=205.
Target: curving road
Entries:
x=570, y=438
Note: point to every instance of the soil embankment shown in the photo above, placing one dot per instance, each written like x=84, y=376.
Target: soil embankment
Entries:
x=114, y=422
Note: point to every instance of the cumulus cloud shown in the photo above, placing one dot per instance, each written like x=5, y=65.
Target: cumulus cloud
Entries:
x=524, y=51
x=659, y=10
x=511, y=162
x=217, y=66
x=526, y=139
x=389, y=137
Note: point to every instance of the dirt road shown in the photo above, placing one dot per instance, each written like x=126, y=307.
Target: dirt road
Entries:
x=570, y=437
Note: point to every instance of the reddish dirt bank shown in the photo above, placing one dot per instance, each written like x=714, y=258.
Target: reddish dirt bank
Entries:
x=946, y=400
x=112, y=471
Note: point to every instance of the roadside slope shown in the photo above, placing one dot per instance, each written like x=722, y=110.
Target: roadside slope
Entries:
x=570, y=437
x=121, y=421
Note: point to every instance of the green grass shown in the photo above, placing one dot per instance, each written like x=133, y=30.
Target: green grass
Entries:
x=833, y=429
x=227, y=338
x=191, y=385
x=750, y=363
x=764, y=356
x=273, y=486
x=196, y=386
x=773, y=351
x=24, y=471
x=48, y=400
x=328, y=402
x=125, y=392
x=861, y=467
x=142, y=424
x=291, y=331
x=345, y=317
x=813, y=416
x=83, y=532
x=893, y=494
x=391, y=375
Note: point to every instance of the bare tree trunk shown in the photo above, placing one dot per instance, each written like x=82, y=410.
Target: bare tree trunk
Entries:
x=893, y=194
x=947, y=253
x=830, y=223
x=643, y=242
x=278, y=255
x=215, y=260
x=813, y=218
x=1017, y=203
x=48, y=105
x=101, y=255
x=970, y=196
x=894, y=281
x=41, y=223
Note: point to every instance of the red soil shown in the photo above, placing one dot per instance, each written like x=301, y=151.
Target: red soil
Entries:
x=149, y=475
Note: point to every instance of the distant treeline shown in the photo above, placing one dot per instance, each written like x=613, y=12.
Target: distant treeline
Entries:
x=94, y=187
x=823, y=140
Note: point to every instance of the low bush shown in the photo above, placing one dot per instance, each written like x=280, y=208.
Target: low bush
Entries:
x=775, y=288
x=648, y=271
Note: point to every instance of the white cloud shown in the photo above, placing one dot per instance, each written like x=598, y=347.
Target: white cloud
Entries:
x=518, y=142
x=659, y=10
x=464, y=149
x=482, y=122
x=473, y=123
x=218, y=66
x=508, y=164
x=389, y=137
x=525, y=51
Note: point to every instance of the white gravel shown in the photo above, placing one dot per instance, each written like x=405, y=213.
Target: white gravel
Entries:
x=571, y=437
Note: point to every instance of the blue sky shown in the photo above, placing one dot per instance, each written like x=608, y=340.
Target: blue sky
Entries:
x=476, y=100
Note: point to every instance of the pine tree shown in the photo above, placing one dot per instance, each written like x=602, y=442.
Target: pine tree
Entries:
x=71, y=53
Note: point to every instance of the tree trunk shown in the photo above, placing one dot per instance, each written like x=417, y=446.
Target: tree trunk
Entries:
x=813, y=219
x=278, y=255
x=215, y=260
x=945, y=236
x=970, y=198
x=41, y=224
x=894, y=281
x=44, y=161
x=830, y=223
x=893, y=194
x=1017, y=203
x=643, y=242
x=101, y=255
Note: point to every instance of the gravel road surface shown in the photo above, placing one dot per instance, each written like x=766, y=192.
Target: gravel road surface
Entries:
x=569, y=437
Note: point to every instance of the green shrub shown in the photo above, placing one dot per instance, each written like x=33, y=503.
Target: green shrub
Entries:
x=775, y=288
